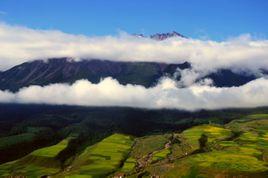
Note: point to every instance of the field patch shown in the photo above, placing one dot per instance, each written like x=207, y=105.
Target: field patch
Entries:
x=193, y=135
x=257, y=116
x=145, y=145
x=129, y=165
x=102, y=158
x=51, y=151
x=160, y=155
x=222, y=160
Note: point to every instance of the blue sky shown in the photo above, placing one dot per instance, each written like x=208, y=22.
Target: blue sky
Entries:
x=214, y=19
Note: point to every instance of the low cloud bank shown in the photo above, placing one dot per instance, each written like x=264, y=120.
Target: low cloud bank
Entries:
x=20, y=44
x=166, y=94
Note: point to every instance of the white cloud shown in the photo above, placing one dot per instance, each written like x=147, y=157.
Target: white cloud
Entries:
x=164, y=95
x=20, y=44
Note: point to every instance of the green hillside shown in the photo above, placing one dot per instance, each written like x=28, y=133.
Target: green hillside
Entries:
x=236, y=149
x=38, y=163
x=102, y=158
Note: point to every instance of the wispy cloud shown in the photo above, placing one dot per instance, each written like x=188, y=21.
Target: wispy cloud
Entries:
x=3, y=12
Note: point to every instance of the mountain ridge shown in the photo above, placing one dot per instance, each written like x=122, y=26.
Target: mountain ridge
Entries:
x=62, y=70
x=161, y=36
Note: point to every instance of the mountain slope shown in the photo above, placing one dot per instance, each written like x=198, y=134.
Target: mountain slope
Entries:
x=227, y=78
x=61, y=70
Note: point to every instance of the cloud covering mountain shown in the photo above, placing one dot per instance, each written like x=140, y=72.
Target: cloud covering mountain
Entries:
x=20, y=44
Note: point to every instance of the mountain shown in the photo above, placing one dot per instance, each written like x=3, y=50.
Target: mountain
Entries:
x=160, y=36
x=163, y=36
x=63, y=70
x=228, y=78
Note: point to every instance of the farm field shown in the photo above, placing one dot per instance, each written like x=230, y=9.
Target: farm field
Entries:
x=225, y=153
